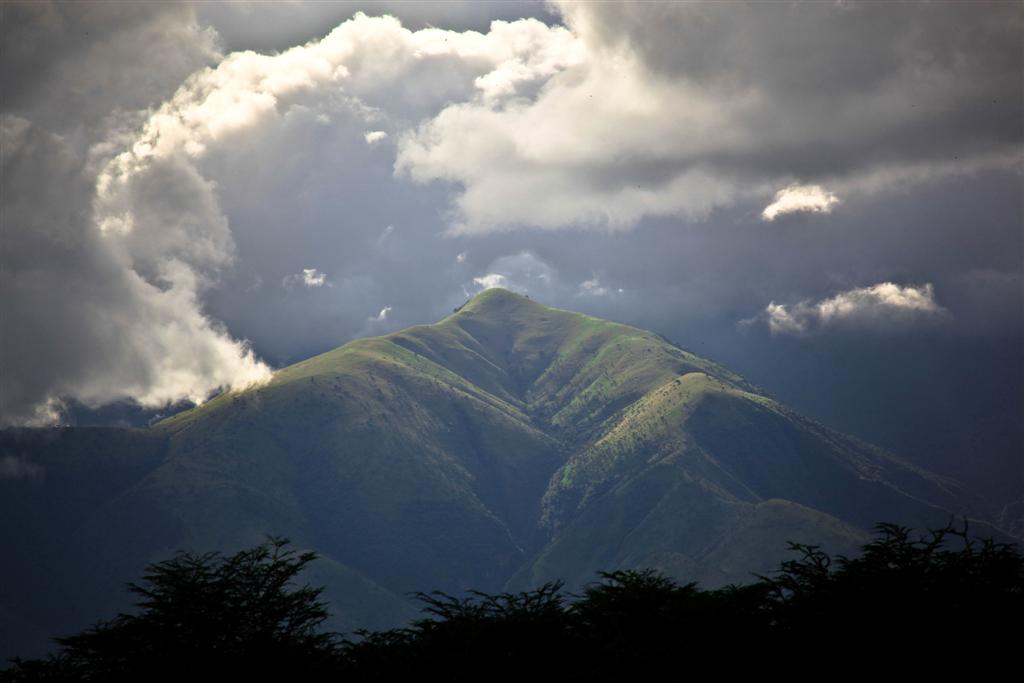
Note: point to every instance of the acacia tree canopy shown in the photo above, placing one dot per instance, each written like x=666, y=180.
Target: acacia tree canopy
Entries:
x=243, y=615
x=200, y=614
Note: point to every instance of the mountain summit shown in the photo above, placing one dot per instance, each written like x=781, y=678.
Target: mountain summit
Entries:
x=508, y=444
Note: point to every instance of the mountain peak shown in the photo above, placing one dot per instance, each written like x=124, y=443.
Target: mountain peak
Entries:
x=497, y=294
x=498, y=301
x=508, y=445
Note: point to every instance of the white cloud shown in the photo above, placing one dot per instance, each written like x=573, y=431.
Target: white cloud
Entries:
x=366, y=54
x=461, y=257
x=522, y=272
x=492, y=281
x=311, y=278
x=885, y=296
x=375, y=324
x=153, y=219
x=782, y=321
x=122, y=289
x=593, y=287
x=374, y=136
x=676, y=109
x=800, y=199
x=162, y=217
x=882, y=305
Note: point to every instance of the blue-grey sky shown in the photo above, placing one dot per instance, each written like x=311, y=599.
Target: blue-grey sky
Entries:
x=825, y=196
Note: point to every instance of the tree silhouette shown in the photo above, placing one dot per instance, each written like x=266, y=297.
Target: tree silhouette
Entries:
x=208, y=616
x=204, y=615
x=900, y=587
x=473, y=638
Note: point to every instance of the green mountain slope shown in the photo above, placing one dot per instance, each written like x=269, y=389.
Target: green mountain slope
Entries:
x=507, y=444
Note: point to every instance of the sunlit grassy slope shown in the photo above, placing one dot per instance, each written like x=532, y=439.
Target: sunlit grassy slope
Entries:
x=504, y=445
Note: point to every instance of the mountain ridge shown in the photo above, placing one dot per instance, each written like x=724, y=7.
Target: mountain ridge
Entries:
x=508, y=444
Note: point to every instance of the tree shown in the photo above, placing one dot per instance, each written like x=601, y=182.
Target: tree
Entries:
x=206, y=616
x=901, y=587
x=202, y=615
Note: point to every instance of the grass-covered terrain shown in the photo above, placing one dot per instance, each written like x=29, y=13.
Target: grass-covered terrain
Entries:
x=507, y=445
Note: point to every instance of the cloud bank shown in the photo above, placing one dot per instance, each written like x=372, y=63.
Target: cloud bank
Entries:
x=676, y=109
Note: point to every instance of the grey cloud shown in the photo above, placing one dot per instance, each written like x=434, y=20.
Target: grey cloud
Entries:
x=268, y=27
x=90, y=314
x=736, y=44
x=73, y=65
x=682, y=108
x=79, y=319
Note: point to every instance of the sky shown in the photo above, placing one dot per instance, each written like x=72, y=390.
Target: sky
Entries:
x=825, y=197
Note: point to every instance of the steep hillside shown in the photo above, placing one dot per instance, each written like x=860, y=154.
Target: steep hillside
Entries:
x=507, y=444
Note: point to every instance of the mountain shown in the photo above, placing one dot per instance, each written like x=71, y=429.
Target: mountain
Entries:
x=506, y=445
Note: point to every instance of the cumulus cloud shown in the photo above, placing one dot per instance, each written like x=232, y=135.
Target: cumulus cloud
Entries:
x=800, y=199
x=374, y=136
x=104, y=302
x=136, y=237
x=656, y=109
x=491, y=281
x=884, y=296
x=883, y=303
x=383, y=315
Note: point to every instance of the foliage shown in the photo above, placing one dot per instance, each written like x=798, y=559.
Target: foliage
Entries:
x=204, y=615
x=505, y=634
x=637, y=624
x=930, y=586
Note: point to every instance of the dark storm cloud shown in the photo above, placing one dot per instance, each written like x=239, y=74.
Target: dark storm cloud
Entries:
x=927, y=79
x=679, y=108
x=72, y=64
x=80, y=318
